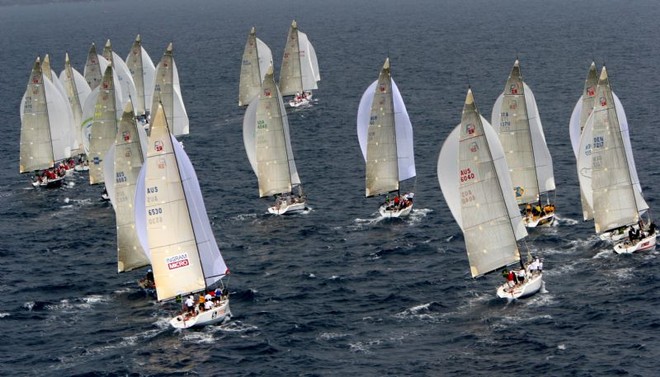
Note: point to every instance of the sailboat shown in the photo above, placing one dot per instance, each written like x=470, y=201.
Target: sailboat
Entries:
x=122, y=73
x=142, y=71
x=45, y=126
x=93, y=71
x=103, y=128
x=257, y=57
x=516, y=120
x=171, y=217
x=267, y=143
x=299, y=73
x=167, y=91
x=612, y=191
x=475, y=181
x=386, y=140
x=122, y=166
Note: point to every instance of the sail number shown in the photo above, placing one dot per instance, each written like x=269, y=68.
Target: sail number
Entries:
x=261, y=124
x=467, y=196
x=152, y=190
x=120, y=177
x=599, y=141
x=466, y=175
x=155, y=211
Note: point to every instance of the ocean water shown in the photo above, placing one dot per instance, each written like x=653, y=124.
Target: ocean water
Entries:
x=337, y=290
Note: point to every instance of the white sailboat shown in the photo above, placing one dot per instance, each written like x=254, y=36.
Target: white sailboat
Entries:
x=45, y=124
x=77, y=91
x=516, y=119
x=142, y=70
x=103, y=128
x=167, y=91
x=386, y=140
x=172, y=219
x=612, y=190
x=475, y=181
x=257, y=57
x=267, y=143
x=122, y=166
x=299, y=73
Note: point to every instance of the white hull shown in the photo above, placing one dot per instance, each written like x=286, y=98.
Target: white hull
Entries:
x=626, y=247
x=545, y=220
x=528, y=288
x=294, y=103
x=48, y=183
x=395, y=212
x=208, y=317
x=81, y=168
x=615, y=235
x=283, y=208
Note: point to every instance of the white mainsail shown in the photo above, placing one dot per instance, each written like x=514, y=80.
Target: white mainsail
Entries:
x=475, y=181
x=122, y=166
x=172, y=218
x=77, y=91
x=267, y=141
x=385, y=135
x=167, y=91
x=516, y=119
x=257, y=57
x=123, y=74
x=93, y=71
x=142, y=70
x=617, y=201
x=103, y=129
x=44, y=124
x=300, y=68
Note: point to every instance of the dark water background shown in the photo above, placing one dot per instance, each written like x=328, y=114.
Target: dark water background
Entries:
x=336, y=291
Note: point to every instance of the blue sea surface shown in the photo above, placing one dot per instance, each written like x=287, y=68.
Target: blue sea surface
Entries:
x=336, y=291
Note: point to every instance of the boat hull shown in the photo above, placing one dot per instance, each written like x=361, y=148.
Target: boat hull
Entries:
x=282, y=209
x=212, y=316
x=545, y=220
x=394, y=213
x=626, y=247
x=528, y=288
x=50, y=183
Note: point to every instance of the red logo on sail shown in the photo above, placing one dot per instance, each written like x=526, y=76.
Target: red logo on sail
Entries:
x=383, y=88
x=470, y=129
x=591, y=91
x=267, y=92
x=603, y=101
x=126, y=136
x=177, y=261
x=514, y=88
x=158, y=145
x=474, y=147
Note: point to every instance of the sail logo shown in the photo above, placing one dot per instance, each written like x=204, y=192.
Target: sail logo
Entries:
x=126, y=136
x=513, y=88
x=591, y=91
x=162, y=164
x=470, y=129
x=466, y=175
x=177, y=261
x=513, y=105
x=474, y=147
x=267, y=92
x=519, y=191
x=158, y=145
x=603, y=101
x=382, y=88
